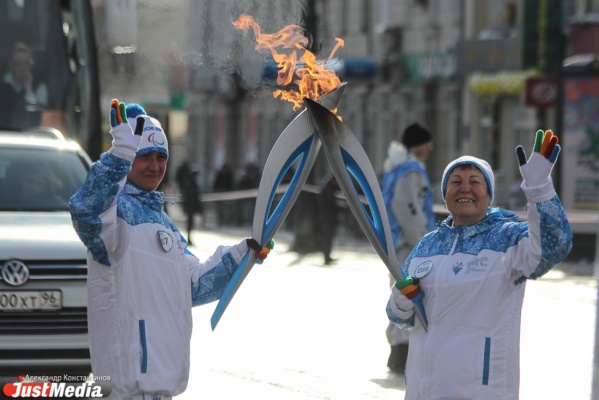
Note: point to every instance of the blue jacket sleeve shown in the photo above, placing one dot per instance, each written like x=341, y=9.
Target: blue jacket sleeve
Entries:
x=97, y=196
x=210, y=278
x=549, y=237
x=549, y=240
x=407, y=324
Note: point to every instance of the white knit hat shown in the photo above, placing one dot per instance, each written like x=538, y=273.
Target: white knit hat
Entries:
x=153, y=137
x=482, y=165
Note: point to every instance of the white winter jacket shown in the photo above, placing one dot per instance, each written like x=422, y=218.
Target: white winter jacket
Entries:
x=142, y=283
x=473, y=299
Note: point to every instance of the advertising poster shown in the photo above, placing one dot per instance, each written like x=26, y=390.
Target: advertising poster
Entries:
x=580, y=144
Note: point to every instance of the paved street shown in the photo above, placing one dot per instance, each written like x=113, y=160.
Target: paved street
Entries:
x=299, y=330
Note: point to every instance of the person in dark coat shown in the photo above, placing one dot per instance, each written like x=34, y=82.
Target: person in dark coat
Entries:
x=250, y=179
x=182, y=174
x=192, y=203
x=329, y=209
x=224, y=182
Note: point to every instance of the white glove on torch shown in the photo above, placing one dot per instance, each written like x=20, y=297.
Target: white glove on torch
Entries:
x=401, y=294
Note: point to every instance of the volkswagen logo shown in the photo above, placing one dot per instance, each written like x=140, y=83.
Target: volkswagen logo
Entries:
x=15, y=272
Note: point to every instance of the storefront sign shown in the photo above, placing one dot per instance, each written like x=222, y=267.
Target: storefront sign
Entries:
x=489, y=55
x=580, y=144
x=429, y=67
x=541, y=91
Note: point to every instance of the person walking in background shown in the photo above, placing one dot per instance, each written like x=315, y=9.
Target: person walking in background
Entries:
x=224, y=182
x=473, y=270
x=250, y=179
x=408, y=198
x=326, y=226
x=142, y=279
x=182, y=174
x=192, y=203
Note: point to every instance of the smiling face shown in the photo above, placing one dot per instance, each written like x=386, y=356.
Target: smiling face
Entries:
x=147, y=170
x=467, y=195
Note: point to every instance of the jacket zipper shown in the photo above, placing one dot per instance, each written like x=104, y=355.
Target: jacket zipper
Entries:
x=427, y=336
x=455, y=243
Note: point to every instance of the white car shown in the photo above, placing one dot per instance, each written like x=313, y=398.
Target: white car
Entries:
x=43, y=298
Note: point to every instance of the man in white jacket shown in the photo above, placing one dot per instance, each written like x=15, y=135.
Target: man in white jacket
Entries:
x=408, y=198
x=473, y=271
x=142, y=279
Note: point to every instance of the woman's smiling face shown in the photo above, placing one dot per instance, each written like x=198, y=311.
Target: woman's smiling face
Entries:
x=467, y=195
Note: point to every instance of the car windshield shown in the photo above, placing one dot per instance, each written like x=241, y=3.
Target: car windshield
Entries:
x=39, y=179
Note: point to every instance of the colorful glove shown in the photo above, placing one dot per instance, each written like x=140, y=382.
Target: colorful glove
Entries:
x=403, y=292
x=537, y=170
x=261, y=251
x=125, y=141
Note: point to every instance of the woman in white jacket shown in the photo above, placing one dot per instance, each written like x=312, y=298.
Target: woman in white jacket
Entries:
x=472, y=270
x=142, y=279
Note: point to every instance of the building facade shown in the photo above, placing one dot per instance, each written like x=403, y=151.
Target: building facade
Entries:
x=464, y=68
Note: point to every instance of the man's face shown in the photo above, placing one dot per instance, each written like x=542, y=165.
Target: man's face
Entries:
x=21, y=66
x=422, y=151
x=148, y=170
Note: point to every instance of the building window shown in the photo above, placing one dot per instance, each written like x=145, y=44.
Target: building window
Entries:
x=365, y=25
x=345, y=17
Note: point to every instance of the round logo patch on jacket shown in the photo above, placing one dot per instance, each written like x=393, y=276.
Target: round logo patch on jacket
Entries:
x=166, y=240
x=423, y=269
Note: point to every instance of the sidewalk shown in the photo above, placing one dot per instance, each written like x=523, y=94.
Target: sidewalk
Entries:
x=301, y=330
x=344, y=239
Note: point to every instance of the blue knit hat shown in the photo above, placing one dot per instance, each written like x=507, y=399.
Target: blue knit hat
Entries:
x=153, y=137
x=482, y=165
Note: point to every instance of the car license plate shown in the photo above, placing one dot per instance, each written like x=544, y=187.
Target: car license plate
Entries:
x=30, y=300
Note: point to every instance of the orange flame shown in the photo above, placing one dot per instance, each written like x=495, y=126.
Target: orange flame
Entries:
x=312, y=78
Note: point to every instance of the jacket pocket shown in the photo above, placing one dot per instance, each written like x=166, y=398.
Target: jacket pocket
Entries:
x=162, y=361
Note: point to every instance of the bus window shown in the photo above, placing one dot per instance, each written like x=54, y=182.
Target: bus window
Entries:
x=42, y=83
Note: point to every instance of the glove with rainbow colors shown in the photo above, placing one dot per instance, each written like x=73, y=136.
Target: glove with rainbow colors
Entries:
x=404, y=292
x=537, y=169
x=261, y=251
x=125, y=142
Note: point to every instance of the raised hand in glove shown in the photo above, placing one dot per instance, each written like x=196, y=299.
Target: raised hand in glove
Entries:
x=403, y=293
x=125, y=142
x=261, y=251
x=537, y=169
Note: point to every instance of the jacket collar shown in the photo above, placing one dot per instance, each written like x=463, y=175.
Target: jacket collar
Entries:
x=496, y=216
x=153, y=199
